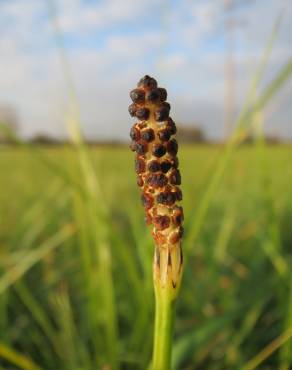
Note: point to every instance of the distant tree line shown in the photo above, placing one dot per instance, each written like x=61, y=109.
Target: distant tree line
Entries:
x=269, y=139
x=191, y=134
x=185, y=134
x=8, y=123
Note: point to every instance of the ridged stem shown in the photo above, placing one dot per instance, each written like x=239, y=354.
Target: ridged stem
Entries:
x=164, y=322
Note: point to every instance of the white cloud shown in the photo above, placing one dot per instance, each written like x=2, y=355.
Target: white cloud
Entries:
x=184, y=53
x=83, y=18
x=175, y=62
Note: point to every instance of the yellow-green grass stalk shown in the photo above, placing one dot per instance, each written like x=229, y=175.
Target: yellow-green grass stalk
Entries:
x=159, y=178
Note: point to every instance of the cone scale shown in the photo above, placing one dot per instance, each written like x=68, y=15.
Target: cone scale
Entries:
x=158, y=176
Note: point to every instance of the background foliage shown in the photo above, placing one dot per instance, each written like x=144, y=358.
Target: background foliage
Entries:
x=76, y=279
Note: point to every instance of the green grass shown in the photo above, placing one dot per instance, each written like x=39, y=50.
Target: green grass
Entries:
x=75, y=261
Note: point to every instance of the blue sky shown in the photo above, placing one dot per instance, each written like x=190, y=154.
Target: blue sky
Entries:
x=111, y=44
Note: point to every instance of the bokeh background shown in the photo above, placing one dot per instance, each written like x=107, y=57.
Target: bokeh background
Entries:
x=204, y=51
x=75, y=255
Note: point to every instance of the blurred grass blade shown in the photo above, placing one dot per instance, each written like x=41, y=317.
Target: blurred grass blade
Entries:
x=259, y=73
x=270, y=240
x=38, y=214
x=17, y=358
x=72, y=351
x=38, y=313
x=282, y=77
x=39, y=155
x=243, y=119
x=249, y=321
x=224, y=236
x=96, y=209
x=191, y=341
x=286, y=349
x=268, y=351
x=25, y=263
x=274, y=86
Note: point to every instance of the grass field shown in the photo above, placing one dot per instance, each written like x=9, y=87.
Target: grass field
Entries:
x=76, y=261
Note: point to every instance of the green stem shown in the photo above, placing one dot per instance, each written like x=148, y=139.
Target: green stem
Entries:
x=163, y=331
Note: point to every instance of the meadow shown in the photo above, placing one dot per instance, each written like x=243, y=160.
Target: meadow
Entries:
x=76, y=260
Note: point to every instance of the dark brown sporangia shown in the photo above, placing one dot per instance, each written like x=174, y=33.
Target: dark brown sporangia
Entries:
x=157, y=170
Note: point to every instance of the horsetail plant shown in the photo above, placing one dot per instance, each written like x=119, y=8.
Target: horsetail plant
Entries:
x=158, y=177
